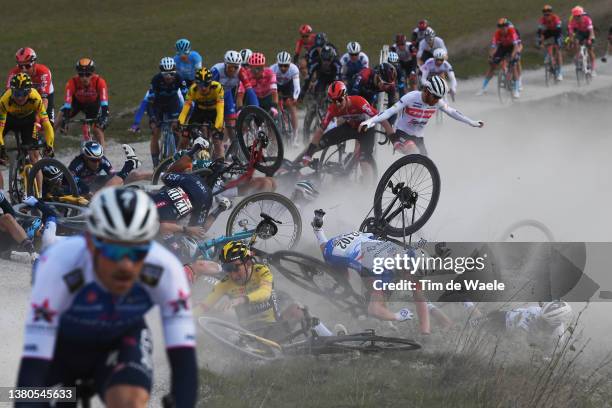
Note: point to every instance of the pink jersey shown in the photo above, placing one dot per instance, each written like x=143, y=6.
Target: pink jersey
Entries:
x=585, y=24
x=264, y=85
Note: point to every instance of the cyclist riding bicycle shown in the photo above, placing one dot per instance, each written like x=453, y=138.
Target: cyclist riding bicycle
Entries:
x=16, y=234
x=314, y=55
x=288, y=82
x=353, y=61
x=20, y=108
x=427, y=45
x=406, y=52
x=368, y=83
x=415, y=109
x=438, y=65
x=418, y=34
x=550, y=27
x=89, y=298
x=393, y=59
x=204, y=104
x=86, y=92
x=249, y=288
x=305, y=42
x=245, y=54
x=41, y=77
x=187, y=61
x=263, y=82
x=322, y=73
x=582, y=32
x=164, y=101
x=504, y=44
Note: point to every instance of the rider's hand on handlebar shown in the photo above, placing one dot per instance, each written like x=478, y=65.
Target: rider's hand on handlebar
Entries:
x=201, y=143
x=49, y=151
x=480, y=123
x=365, y=125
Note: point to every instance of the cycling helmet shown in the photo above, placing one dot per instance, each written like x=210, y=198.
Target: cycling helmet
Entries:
x=437, y=86
x=307, y=190
x=336, y=91
x=439, y=53
x=556, y=313
x=183, y=46
x=305, y=29
x=188, y=247
x=21, y=81
x=327, y=53
x=386, y=72
x=92, y=150
x=422, y=25
x=503, y=22
x=257, y=59
x=393, y=57
x=245, y=53
x=430, y=34
x=86, y=65
x=32, y=227
x=320, y=39
x=235, y=251
x=203, y=77
x=353, y=47
x=167, y=64
x=52, y=173
x=283, y=58
x=123, y=214
x=400, y=39
x=25, y=56
x=547, y=8
x=232, y=57
x=577, y=11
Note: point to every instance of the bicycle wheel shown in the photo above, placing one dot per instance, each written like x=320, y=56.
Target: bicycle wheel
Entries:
x=246, y=216
x=547, y=70
x=311, y=122
x=69, y=215
x=255, y=125
x=239, y=339
x=287, y=126
x=161, y=168
x=407, y=195
x=67, y=177
x=362, y=342
x=168, y=141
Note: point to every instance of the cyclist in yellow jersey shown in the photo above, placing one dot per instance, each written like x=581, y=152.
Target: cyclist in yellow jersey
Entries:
x=250, y=289
x=20, y=106
x=205, y=102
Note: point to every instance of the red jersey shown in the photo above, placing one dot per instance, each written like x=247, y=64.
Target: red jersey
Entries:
x=356, y=111
x=41, y=79
x=505, y=40
x=306, y=44
x=551, y=22
x=95, y=92
x=584, y=25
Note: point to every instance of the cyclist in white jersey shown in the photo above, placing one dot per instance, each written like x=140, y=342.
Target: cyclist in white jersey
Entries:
x=437, y=65
x=353, y=61
x=414, y=111
x=88, y=301
x=288, y=83
x=427, y=45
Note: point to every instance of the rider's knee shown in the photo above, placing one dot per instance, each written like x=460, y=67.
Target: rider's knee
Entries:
x=126, y=396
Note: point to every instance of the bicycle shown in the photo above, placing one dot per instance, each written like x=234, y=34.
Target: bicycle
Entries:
x=86, y=128
x=284, y=123
x=316, y=108
x=167, y=138
x=67, y=179
x=505, y=81
x=583, y=65
x=550, y=62
x=343, y=161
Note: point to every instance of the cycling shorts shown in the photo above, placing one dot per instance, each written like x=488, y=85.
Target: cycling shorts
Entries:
x=23, y=128
x=126, y=361
x=51, y=107
x=285, y=91
x=401, y=136
x=157, y=112
x=203, y=116
x=266, y=102
x=582, y=36
x=230, y=104
x=501, y=53
x=556, y=34
x=344, y=132
x=91, y=110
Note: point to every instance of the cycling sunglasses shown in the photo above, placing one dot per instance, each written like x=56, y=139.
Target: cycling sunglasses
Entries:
x=283, y=65
x=20, y=93
x=230, y=267
x=116, y=252
x=85, y=74
x=26, y=66
x=168, y=73
x=354, y=55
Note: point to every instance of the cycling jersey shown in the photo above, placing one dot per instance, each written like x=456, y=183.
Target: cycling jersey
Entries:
x=529, y=320
x=584, y=25
x=424, y=47
x=326, y=72
x=185, y=194
x=213, y=100
x=93, y=93
x=79, y=168
x=429, y=68
x=351, y=68
x=363, y=84
x=164, y=93
x=188, y=64
x=33, y=107
x=406, y=53
x=261, y=308
x=505, y=40
x=551, y=22
x=418, y=35
x=306, y=44
x=230, y=82
x=356, y=110
x=346, y=250
x=263, y=85
x=41, y=79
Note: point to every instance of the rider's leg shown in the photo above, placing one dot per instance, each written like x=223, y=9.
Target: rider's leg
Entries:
x=99, y=134
x=439, y=316
x=377, y=307
x=291, y=105
x=420, y=301
x=154, y=145
x=591, y=50
x=218, y=149
x=257, y=184
x=294, y=313
x=9, y=224
x=34, y=156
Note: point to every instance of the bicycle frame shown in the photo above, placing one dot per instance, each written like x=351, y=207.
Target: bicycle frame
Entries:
x=207, y=248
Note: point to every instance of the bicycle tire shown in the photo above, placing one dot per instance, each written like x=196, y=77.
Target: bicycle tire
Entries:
x=253, y=346
x=161, y=167
x=292, y=237
x=76, y=222
x=362, y=342
x=310, y=123
x=48, y=161
x=413, y=159
x=288, y=126
x=272, y=162
x=168, y=142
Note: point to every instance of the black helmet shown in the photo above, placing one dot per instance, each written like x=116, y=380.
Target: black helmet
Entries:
x=327, y=53
x=320, y=39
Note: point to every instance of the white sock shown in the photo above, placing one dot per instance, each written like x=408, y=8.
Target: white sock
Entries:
x=322, y=330
x=320, y=235
x=48, y=236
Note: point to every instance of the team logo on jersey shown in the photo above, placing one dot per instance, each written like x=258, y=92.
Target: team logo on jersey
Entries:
x=151, y=274
x=180, y=199
x=43, y=311
x=182, y=303
x=74, y=280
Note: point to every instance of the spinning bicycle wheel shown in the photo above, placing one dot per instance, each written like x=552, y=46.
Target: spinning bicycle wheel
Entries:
x=66, y=180
x=367, y=342
x=254, y=124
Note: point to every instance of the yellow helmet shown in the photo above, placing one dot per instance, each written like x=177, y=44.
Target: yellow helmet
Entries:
x=21, y=81
x=203, y=77
x=234, y=251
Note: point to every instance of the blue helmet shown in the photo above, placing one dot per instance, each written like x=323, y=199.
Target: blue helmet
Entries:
x=183, y=46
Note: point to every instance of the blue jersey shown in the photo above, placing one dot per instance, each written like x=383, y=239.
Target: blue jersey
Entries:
x=162, y=93
x=187, y=65
x=186, y=194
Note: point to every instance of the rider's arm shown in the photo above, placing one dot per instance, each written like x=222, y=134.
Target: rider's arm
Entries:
x=69, y=93
x=46, y=124
x=102, y=92
x=365, y=60
x=455, y=114
x=383, y=116
x=296, y=86
x=182, y=119
x=3, y=114
x=264, y=291
x=424, y=74
x=452, y=79
x=220, y=109
x=197, y=60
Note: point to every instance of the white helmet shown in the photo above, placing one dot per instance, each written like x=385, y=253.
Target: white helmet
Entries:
x=123, y=214
x=353, y=47
x=307, y=189
x=232, y=57
x=437, y=86
x=556, y=313
x=429, y=34
x=167, y=64
x=245, y=53
x=439, y=53
x=283, y=58
x=393, y=57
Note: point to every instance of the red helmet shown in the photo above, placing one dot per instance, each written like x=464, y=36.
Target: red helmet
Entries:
x=400, y=39
x=25, y=56
x=423, y=24
x=257, y=59
x=577, y=11
x=305, y=29
x=336, y=91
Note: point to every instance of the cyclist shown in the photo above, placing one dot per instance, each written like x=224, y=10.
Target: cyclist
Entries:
x=314, y=56
x=249, y=287
x=550, y=27
x=245, y=54
x=164, y=101
x=438, y=65
x=288, y=82
x=323, y=72
x=505, y=43
x=393, y=59
x=305, y=42
x=20, y=107
x=368, y=83
x=406, y=52
x=204, y=104
x=263, y=82
x=418, y=34
x=582, y=32
x=416, y=108
x=353, y=61
x=427, y=45
x=188, y=61
x=86, y=92
x=15, y=232
x=40, y=75
x=95, y=290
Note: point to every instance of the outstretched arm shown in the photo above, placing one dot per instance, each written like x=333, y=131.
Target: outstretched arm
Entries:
x=455, y=114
